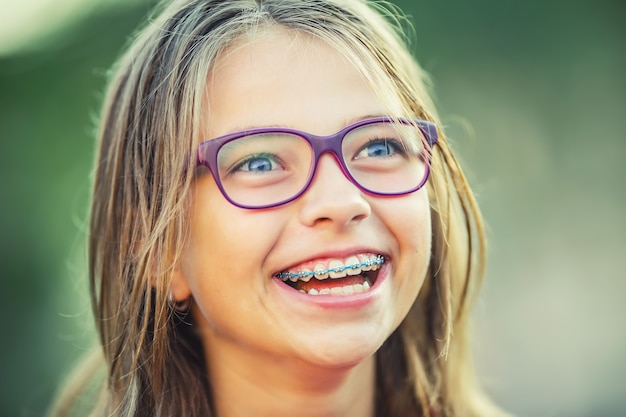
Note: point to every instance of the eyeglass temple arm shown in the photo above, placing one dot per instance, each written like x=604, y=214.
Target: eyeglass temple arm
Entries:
x=430, y=130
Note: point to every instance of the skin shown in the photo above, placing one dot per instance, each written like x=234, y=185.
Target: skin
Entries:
x=273, y=351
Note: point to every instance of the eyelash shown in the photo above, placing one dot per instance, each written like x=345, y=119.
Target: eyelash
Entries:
x=396, y=145
x=275, y=159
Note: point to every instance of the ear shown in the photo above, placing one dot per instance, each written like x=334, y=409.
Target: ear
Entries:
x=179, y=288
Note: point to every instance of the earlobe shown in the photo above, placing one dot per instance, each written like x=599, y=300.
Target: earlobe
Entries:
x=179, y=294
x=176, y=289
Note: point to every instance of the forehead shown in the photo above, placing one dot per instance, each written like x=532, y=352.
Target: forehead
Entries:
x=284, y=77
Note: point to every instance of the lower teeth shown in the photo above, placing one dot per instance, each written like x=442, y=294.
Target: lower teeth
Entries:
x=347, y=290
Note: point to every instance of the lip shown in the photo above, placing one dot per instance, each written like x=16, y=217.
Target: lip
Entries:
x=352, y=301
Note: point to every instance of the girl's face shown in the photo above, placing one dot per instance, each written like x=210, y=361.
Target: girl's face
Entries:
x=232, y=256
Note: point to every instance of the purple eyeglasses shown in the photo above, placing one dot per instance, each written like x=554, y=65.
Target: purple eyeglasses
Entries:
x=267, y=167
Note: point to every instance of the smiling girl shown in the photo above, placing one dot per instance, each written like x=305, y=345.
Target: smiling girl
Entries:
x=279, y=227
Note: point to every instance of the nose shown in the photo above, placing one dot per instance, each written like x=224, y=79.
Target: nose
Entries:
x=332, y=199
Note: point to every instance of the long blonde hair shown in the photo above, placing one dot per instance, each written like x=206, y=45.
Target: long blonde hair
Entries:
x=150, y=126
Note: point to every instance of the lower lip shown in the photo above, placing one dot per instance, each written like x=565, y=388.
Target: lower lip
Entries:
x=328, y=301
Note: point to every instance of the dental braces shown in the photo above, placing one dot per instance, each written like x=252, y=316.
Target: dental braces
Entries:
x=305, y=274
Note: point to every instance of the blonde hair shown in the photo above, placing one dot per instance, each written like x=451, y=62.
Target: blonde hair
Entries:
x=151, y=123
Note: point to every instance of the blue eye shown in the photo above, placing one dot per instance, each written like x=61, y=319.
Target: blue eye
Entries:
x=257, y=164
x=377, y=148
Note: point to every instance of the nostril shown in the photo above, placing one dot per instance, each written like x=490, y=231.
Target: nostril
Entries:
x=359, y=217
x=333, y=213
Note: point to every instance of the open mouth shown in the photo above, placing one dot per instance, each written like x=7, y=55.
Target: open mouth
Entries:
x=335, y=277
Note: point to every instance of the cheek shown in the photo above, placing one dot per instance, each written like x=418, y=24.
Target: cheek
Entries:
x=221, y=235
x=218, y=277
x=411, y=224
x=224, y=256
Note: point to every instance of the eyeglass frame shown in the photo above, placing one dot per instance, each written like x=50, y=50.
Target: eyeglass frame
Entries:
x=208, y=151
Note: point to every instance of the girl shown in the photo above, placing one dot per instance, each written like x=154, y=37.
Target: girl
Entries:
x=278, y=226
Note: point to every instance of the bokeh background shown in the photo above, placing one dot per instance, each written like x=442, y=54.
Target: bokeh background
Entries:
x=533, y=94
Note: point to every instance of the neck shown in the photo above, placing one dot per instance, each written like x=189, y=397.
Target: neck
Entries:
x=250, y=383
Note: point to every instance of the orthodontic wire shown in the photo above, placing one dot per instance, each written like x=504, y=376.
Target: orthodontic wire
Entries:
x=304, y=274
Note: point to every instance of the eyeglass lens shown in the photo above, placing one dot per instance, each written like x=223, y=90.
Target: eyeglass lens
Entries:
x=270, y=167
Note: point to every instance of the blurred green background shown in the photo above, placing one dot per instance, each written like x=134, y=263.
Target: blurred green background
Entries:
x=533, y=94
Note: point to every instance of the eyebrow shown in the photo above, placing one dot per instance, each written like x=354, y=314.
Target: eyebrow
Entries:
x=364, y=117
x=347, y=122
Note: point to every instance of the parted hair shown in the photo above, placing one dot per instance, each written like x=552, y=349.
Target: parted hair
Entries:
x=150, y=125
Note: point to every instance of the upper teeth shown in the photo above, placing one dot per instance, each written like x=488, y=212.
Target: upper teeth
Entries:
x=336, y=268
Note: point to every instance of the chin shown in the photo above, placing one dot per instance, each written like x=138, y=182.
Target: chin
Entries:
x=344, y=350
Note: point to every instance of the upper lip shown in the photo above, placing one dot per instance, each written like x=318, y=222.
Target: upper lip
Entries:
x=332, y=254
